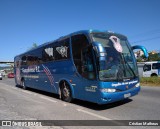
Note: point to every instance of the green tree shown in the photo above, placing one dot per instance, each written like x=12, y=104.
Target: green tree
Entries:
x=34, y=45
x=142, y=59
x=154, y=57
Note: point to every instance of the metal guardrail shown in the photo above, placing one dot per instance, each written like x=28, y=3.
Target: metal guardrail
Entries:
x=6, y=62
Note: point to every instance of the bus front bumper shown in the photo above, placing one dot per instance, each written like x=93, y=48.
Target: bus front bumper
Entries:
x=117, y=96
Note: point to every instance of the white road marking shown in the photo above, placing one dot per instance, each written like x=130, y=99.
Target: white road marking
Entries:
x=93, y=114
x=26, y=92
x=35, y=94
x=101, y=117
x=14, y=88
x=64, y=104
x=48, y=99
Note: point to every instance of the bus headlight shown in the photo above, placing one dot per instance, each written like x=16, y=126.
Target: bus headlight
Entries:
x=108, y=90
x=137, y=85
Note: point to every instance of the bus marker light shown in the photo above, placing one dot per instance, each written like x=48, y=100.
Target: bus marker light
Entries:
x=70, y=81
x=137, y=85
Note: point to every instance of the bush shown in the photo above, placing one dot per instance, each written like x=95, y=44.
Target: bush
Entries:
x=150, y=81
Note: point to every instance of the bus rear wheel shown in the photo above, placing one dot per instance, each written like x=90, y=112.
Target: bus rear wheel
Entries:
x=154, y=75
x=66, y=94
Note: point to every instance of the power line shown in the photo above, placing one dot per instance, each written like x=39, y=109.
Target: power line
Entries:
x=146, y=39
x=146, y=33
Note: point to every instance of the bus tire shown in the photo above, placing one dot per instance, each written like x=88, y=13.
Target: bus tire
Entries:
x=16, y=85
x=154, y=75
x=66, y=93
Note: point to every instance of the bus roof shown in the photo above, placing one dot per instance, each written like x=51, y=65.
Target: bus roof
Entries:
x=87, y=32
x=151, y=62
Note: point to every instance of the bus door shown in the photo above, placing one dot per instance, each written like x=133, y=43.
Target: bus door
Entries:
x=85, y=77
x=89, y=73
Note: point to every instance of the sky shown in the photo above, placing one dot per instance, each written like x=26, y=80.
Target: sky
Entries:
x=24, y=22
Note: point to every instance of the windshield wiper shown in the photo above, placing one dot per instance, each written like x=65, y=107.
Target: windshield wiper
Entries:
x=134, y=75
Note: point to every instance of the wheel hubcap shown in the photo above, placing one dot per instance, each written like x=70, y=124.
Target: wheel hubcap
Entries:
x=66, y=92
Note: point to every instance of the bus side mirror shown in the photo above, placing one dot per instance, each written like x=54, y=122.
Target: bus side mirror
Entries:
x=142, y=48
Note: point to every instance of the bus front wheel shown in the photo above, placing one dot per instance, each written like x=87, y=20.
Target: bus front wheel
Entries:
x=66, y=94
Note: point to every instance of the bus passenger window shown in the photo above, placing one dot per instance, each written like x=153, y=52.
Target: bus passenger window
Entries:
x=48, y=54
x=146, y=68
x=62, y=50
x=79, y=42
x=156, y=66
x=24, y=60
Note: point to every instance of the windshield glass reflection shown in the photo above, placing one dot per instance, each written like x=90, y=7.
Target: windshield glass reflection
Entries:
x=119, y=62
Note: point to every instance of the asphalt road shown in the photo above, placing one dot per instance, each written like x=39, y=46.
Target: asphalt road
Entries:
x=19, y=104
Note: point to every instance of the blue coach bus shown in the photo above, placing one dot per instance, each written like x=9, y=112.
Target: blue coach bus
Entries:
x=90, y=65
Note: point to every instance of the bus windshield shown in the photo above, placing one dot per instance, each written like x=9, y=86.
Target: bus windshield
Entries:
x=117, y=62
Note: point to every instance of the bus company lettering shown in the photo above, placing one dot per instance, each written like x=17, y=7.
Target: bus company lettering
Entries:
x=31, y=69
x=124, y=83
x=91, y=88
x=31, y=76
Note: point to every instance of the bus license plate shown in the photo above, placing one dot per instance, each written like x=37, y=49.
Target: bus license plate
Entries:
x=127, y=95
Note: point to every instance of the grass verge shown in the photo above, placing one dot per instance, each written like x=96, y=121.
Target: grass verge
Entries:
x=150, y=81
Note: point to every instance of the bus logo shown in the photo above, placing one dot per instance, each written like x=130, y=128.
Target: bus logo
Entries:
x=62, y=50
x=116, y=43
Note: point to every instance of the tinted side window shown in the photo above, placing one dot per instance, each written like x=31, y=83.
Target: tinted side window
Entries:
x=79, y=42
x=34, y=57
x=62, y=50
x=24, y=60
x=48, y=53
x=156, y=66
x=147, y=67
x=30, y=60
